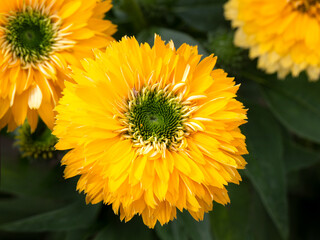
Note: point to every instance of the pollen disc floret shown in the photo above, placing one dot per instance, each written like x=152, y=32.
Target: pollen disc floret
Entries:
x=283, y=34
x=311, y=7
x=155, y=118
x=30, y=35
x=152, y=130
x=39, y=39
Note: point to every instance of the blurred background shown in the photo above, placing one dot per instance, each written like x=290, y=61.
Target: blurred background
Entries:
x=280, y=192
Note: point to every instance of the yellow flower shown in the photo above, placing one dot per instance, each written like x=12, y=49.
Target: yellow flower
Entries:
x=283, y=34
x=151, y=130
x=38, y=39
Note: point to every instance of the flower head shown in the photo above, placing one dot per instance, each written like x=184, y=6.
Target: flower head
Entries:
x=283, y=34
x=39, y=144
x=38, y=40
x=151, y=130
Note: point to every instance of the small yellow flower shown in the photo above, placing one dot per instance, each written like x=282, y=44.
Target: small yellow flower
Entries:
x=38, y=39
x=152, y=130
x=283, y=34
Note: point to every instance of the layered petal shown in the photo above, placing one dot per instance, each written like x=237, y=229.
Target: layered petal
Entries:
x=33, y=78
x=151, y=130
x=282, y=34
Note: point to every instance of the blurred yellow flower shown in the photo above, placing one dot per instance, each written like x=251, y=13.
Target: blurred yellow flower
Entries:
x=283, y=34
x=152, y=130
x=38, y=39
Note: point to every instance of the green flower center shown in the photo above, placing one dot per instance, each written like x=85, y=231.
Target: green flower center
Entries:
x=30, y=35
x=155, y=116
x=312, y=7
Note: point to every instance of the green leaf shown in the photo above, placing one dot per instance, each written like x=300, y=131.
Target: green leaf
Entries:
x=16, y=208
x=36, y=180
x=132, y=8
x=232, y=221
x=261, y=225
x=196, y=230
x=244, y=218
x=134, y=229
x=296, y=103
x=298, y=157
x=185, y=227
x=107, y=233
x=266, y=165
x=77, y=215
x=203, y=15
x=168, y=34
x=171, y=231
x=81, y=234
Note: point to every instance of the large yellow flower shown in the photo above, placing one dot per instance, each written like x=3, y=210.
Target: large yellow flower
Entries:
x=38, y=39
x=151, y=130
x=283, y=34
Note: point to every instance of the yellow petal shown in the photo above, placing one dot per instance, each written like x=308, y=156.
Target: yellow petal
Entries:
x=35, y=97
x=69, y=8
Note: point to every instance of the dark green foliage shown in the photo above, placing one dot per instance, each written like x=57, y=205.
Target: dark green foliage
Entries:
x=266, y=168
x=279, y=195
